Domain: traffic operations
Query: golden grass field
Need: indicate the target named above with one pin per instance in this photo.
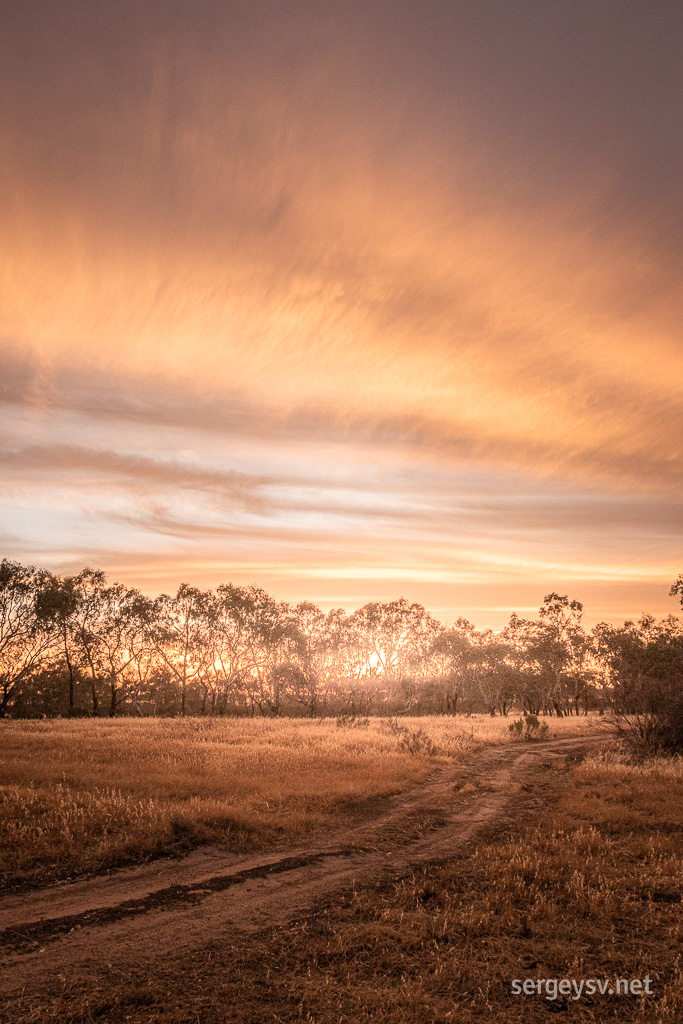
(78, 796)
(592, 888)
(588, 887)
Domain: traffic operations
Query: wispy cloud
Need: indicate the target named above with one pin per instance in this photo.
(273, 272)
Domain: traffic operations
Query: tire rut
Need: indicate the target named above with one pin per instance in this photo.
(140, 913)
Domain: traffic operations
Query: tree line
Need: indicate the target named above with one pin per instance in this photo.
(80, 645)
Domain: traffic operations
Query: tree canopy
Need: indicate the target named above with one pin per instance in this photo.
(80, 645)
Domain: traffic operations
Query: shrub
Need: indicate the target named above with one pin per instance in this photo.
(345, 721)
(650, 719)
(414, 741)
(529, 728)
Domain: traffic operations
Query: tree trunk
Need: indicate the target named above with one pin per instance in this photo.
(93, 684)
(5, 699)
(71, 678)
(112, 702)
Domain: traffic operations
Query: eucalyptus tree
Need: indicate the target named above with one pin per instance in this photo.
(235, 652)
(144, 666)
(100, 631)
(284, 669)
(78, 610)
(394, 636)
(492, 672)
(121, 642)
(258, 636)
(179, 629)
(519, 637)
(26, 636)
(341, 653)
(448, 657)
(643, 665)
(310, 675)
(559, 649)
(57, 605)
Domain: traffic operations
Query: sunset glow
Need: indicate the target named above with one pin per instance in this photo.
(348, 300)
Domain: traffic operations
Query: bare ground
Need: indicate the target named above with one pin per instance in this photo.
(80, 929)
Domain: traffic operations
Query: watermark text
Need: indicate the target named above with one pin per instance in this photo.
(553, 988)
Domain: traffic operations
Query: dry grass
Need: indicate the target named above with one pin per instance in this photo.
(82, 795)
(591, 890)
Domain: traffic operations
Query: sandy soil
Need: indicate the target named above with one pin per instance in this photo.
(78, 928)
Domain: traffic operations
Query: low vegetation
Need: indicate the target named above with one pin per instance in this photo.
(591, 890)
(82, 795)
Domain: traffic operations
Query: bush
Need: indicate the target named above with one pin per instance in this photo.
(345, 721)
(649, 717)
(529, 728)
(415, 741)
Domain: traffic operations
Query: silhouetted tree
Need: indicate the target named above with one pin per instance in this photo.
(241, 651)
(25, 636)
(179, 629)
(643, 666)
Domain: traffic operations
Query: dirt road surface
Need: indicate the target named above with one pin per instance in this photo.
(135, 915)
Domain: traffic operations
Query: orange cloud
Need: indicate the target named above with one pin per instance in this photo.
(382, 233)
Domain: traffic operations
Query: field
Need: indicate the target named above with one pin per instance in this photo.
(78, 796)
(592, 888)
(575, 873)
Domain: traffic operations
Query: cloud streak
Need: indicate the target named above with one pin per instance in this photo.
(243, 243)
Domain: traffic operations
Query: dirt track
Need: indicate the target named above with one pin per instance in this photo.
(137, 914)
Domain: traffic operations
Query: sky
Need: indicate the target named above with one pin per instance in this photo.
(351, 300)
